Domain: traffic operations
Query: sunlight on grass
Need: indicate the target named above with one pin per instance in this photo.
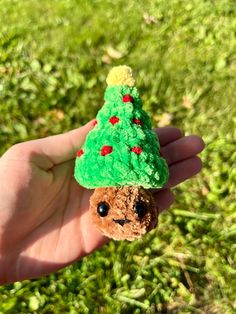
(54, 58)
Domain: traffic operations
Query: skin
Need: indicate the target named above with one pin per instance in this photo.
(44, 219)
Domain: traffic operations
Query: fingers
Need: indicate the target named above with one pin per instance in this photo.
(184, 170)
(63, 147)
(182, 148)
(168, 134)
(178, 173)
(164, 199)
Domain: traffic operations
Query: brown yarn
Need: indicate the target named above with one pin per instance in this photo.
(121, 202)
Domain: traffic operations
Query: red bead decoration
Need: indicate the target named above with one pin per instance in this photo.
(128, 98)
(137, 150)
(114, 120)
(80, 152)
(106, 150)
(95, 122)
(137, 121)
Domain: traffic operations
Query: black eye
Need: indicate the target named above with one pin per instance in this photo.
(140, 209)
(103, 209)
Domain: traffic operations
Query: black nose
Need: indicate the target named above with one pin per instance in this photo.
(121, 221)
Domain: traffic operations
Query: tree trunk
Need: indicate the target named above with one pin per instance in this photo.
(123, 213)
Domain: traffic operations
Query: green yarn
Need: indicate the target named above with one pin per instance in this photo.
(122, 167)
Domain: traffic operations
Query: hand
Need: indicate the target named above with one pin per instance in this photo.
(44, 219)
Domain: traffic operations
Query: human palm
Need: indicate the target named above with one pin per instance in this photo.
(44, 218)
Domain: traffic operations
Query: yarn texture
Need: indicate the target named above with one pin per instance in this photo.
(120, 75)
(121, 222)
(121, 150)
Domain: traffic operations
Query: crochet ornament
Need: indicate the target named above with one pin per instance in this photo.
(120, 159)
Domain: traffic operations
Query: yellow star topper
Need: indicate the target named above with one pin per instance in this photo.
(120, 75)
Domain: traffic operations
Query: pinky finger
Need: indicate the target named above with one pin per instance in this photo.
(164, 199)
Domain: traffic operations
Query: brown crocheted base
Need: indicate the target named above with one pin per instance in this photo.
(124, 213)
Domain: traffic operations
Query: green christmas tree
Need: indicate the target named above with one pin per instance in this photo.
(121, 160)
(122, 150)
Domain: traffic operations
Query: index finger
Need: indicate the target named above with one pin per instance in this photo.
(168, 134)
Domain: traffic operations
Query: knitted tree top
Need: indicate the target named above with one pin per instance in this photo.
(122, 149)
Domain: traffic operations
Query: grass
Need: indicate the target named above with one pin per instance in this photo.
(54, 57)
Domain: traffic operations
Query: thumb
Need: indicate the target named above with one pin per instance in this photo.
(62, 147)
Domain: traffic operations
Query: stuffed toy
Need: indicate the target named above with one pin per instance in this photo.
(120, 159)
